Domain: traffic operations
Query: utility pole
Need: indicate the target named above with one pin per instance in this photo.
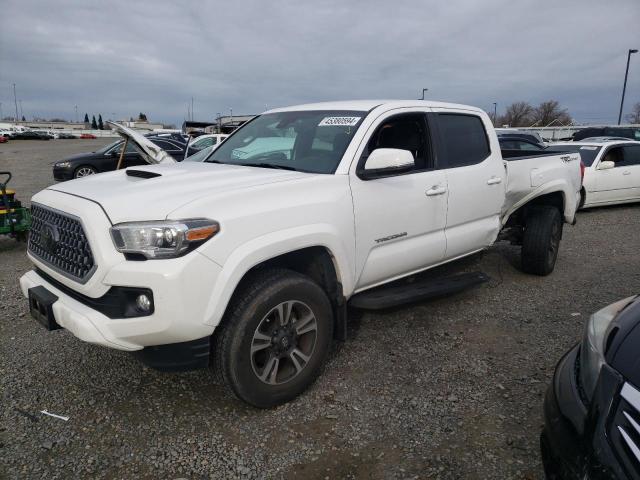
(21, 111)
(624, 88)
(219, 122)
(15, 100)
(495, 113)
(423, 90)
(76, 107)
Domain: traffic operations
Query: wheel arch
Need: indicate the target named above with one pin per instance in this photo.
(323, 263)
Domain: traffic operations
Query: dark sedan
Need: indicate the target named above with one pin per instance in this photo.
(31, 136)
(106, 159)
(592, 409)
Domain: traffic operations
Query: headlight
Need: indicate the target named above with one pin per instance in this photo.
(163, 239)
(63, 164)
(592, 349)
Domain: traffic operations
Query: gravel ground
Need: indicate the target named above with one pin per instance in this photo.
(451, 388)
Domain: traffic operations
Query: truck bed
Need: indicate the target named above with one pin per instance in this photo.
(530, 176)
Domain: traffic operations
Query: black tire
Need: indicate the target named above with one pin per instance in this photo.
(541, 239)
(583, 198)
(80, 171)
(250, 310)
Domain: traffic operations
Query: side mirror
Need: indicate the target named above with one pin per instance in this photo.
(606, 165)
(389, 159)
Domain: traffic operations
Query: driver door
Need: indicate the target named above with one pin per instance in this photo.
(399, 218)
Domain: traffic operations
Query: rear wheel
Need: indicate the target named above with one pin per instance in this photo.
(274, 338)
(84, 171)
(541, 240)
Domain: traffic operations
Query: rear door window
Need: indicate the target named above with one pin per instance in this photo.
(463, 139)
(631, 155)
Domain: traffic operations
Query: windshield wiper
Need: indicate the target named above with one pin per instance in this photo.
(267, 165)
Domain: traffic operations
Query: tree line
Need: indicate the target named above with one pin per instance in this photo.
(100, 126)
(523, 114)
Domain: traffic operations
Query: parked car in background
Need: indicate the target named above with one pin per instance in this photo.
(203, 141)
(7, 133)
(513, 142)
(631, 133)
(106, 158)
(66, 136)
(297, 213)
(88, 136)
(521, 134)
(3, 139)
(201, 156)
(592, 407)
(31, 135)
(605, 139)
(612, 171)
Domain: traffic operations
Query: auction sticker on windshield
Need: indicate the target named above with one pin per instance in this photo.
(339, 121)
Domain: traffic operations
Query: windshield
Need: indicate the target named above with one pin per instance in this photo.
(107, 147)
(305, 141)
(588, 153)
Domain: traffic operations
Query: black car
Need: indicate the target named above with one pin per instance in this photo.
(106, 158)
(31, 136)
(592, 408)
(625, 132)
(515, 142)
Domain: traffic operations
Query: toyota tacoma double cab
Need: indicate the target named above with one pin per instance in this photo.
(247, 261)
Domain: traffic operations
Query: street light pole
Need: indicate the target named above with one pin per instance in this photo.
(423, 90)
(76, 108)
(495, 113)
(15, 100)
(21, 111)
(624, 88)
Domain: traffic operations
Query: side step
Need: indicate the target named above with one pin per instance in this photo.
(388, 297)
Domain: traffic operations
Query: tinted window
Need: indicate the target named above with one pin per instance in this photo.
(631, 155)
(167, 146)
(404, 132)
(463, 138)
(588, 153)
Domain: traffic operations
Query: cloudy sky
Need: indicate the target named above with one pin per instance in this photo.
(118, 58)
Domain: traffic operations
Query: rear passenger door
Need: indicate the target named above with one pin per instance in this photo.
(476, 180)
(631, 170)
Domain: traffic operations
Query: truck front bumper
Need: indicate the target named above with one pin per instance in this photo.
(181, 290)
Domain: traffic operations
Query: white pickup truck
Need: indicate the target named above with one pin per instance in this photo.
(248, 260)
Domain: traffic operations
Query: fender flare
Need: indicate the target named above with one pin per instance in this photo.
(557, 186)
(260, 249)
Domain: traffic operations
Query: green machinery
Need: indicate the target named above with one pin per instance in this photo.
(15, 220)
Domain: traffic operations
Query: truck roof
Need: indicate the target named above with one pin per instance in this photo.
(366, 105)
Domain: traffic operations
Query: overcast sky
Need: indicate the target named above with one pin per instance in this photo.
(119, 58)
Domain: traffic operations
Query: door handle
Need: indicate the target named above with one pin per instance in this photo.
(626, 173)
(494, 181)
(436, 190)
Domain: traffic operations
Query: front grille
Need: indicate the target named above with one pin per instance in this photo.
(625, 429)
(58, 239)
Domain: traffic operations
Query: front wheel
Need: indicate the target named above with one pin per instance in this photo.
(274, 338)
(541, 239)
(84, 171)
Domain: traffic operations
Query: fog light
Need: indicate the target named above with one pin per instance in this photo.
(143, 303)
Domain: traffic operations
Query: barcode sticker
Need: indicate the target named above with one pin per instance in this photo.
(339, 121)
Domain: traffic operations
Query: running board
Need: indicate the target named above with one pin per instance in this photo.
(388, 297)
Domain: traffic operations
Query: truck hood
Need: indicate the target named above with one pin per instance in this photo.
(151, 192)
(149, 151)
